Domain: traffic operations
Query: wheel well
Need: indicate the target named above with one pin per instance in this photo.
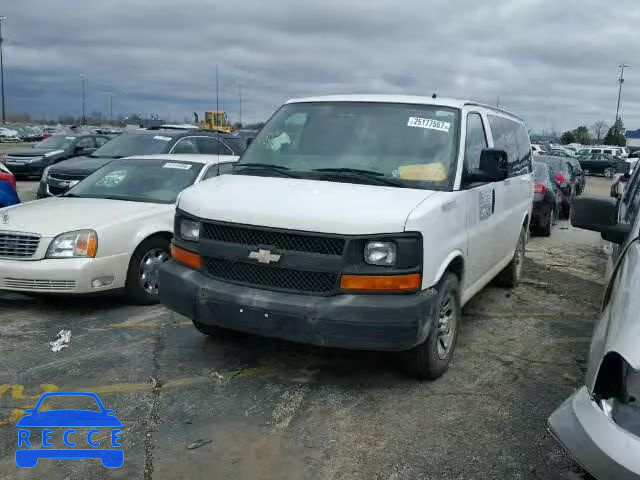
(456, 267)
(526, 221)
(164, 235)
(610, 381)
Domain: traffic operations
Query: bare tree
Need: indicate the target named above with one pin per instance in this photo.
(599, 129)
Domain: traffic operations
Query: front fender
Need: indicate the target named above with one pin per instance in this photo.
(445, 264)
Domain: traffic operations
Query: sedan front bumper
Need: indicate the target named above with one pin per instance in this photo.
(63, 275)
(594, 440)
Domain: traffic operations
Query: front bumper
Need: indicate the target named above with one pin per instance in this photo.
(25, 168)
(64, 275)
(366, 322)
(594, 440)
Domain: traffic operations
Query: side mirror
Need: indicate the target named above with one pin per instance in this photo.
(599, 214)
(493, 167)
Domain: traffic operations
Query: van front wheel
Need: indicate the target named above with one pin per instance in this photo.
(431, 358)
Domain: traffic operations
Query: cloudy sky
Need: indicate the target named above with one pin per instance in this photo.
(553, 62)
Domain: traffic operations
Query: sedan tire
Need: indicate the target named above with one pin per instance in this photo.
(142, 276)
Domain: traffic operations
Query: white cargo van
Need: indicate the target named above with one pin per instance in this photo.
(360, 221)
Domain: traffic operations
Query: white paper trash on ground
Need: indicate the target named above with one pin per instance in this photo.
(62, 340)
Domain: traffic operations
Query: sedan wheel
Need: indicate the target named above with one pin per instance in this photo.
(149, 272)
(609, 172)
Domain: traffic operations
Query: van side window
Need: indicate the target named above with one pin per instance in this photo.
(475, 142)
(512, 137)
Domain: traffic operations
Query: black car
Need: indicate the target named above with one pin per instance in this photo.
(602, 163)
(562, 173)
(56, 148)
(578, 174)
(59, 178)
(547, 200)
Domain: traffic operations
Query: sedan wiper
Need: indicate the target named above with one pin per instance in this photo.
(376, 177)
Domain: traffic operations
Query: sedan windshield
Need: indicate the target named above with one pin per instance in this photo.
(129, 144)
(152, 181)
(404, 145)
(55, 142)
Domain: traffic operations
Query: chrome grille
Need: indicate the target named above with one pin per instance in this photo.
(40, 285)
(18, 245)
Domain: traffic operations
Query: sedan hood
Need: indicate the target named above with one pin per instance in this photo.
(34, 152)
(51, 216)
(80, 165)
(297, 204)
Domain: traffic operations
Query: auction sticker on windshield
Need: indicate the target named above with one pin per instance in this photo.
(429, 123)
(179, 166)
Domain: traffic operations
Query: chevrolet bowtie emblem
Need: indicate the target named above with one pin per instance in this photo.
(5, 219)
(264, 256)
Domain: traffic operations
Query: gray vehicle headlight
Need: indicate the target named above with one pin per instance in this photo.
(36, 159)
(189, 230)
(81, 243)
(380, 253)
(45, 174)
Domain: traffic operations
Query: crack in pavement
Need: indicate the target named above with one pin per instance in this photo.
(151, 424)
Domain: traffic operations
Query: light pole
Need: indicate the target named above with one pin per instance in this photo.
(4, 115)
(83, 77)
(240, 103)
(620, 81)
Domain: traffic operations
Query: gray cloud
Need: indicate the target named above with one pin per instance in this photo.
(553, 63)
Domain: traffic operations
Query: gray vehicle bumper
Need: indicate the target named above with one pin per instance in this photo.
(367, 322)
(600, 446)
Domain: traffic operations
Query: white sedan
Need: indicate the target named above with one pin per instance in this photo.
(110, 231)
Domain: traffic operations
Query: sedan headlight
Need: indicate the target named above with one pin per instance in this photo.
(82, 243)
(380, 253)
(189, 230)
(45, 173)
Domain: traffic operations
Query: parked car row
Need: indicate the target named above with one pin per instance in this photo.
(599, 424)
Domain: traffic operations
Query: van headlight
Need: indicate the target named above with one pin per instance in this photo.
(189, 230)
(81, 243)
(380, 253)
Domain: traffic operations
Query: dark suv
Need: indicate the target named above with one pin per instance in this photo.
(57, 179)
(32, 162)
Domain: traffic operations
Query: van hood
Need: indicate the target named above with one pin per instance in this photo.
(52, 216)
(299, 204)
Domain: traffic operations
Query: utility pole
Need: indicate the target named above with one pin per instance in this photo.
(215, 116)
(4, 113)
(83, 78)
(240, 101)
(620, 82)
(111, 109)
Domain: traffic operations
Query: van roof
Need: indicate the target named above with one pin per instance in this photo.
(410, 99)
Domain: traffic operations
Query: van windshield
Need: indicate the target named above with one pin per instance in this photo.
(412, 145)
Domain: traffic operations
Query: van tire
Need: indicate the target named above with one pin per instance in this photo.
(429, 360)
(206, 329)
(512, 273)
(134, 292)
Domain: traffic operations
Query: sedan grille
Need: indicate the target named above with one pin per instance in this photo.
(40, 285)
(253, 237)
(18, 245)
(272, 277)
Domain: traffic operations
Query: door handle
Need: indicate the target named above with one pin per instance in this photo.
(493, 201)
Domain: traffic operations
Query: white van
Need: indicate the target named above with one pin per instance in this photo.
(359, 221)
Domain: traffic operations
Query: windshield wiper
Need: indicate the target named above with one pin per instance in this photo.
(262, 165)
(280, 169)
(359, 173)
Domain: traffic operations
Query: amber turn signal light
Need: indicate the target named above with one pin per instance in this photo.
(411, 281)
(186, 258)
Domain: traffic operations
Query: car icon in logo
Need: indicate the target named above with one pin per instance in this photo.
(61, 424)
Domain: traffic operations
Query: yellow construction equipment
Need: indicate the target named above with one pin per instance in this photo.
(217, 121)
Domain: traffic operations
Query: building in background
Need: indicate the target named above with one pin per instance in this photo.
(633, 138)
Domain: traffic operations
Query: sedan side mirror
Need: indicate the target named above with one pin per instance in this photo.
(599, 214)
(493, 167)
